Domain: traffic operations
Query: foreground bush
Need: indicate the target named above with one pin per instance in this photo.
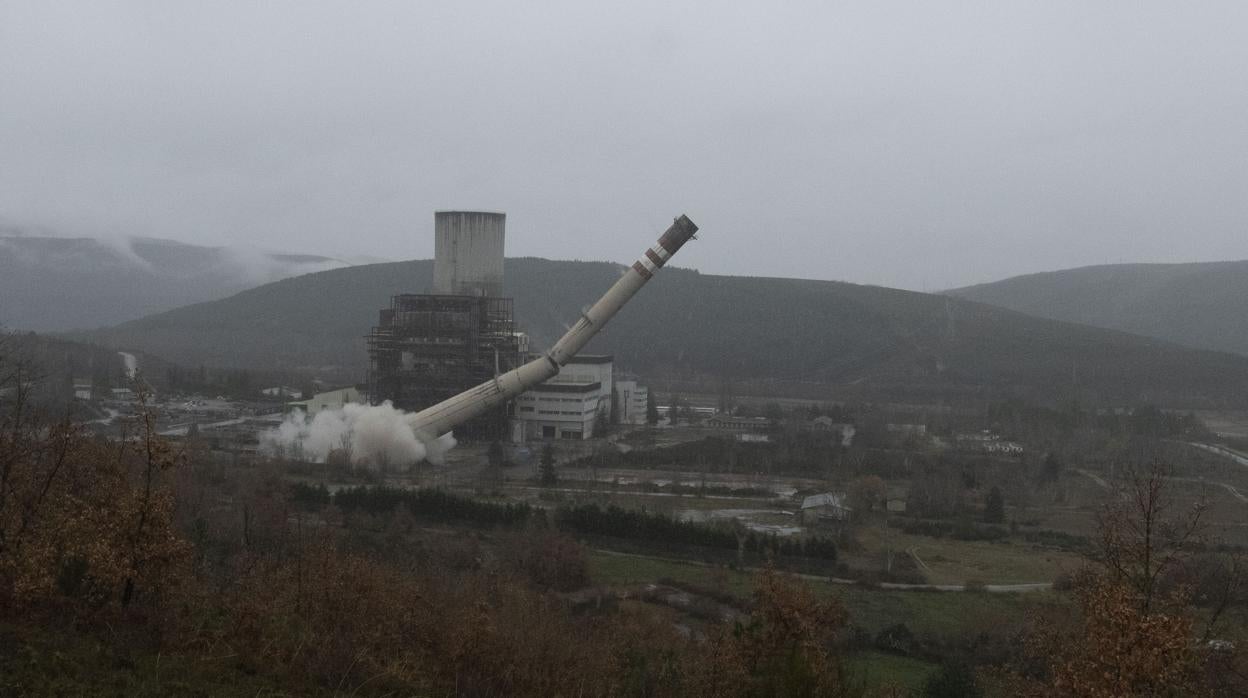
(86, 525)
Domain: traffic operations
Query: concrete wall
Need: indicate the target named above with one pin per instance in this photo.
(468, 253)
(566, 412)
(329, 400)
(630, 406)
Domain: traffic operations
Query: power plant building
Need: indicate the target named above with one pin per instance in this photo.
(631, 399)
(455, 358)
(468, 253)
(426, 348)
(568, 405)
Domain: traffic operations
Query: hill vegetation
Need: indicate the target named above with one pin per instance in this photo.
(50, 368)
(1200, 305)
(692, 326)
(52, 284)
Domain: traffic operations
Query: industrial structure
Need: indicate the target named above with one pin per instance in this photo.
(333, 399)
(631, 399)
(570, 405)
(468, 253)
(496, 392)
(426, 348)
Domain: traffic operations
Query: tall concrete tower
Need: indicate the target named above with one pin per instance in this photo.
(468, 253)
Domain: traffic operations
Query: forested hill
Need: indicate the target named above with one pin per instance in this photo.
(686, 324)
(1201, 305)
(54, 283)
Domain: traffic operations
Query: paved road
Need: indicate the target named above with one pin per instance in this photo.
(1224, 485)
(913, 551)
(1101, 481)
(1095, 478)
(1240, 458)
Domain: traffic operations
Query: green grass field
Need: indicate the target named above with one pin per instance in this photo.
(936, 613)
(952, 561)
(877, 669)
(620, 570)
(949, 613)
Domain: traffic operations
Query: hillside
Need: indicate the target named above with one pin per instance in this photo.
(56, 364)
(52, 283)
(1200, 305)
(689, 325)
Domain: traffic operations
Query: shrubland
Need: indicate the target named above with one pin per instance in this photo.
(130, 550)
(135, 554)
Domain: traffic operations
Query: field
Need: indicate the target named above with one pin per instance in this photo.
(947, 561)
(931, 612)
(877, 669)
(941, 618)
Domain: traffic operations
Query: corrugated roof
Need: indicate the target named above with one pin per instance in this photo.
(566, 388)
(827, 499)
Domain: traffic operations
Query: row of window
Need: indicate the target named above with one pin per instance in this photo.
(585, 413)
(549, 433)
(531, 398)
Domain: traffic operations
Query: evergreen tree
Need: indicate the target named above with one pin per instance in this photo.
(1052, 468)
(994, 508)
(652, 411)
(601, 424)
(547, 474)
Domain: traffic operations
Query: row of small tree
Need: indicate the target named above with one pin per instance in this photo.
(431, 504)
(660, 529)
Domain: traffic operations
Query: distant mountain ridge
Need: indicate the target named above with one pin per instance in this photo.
(1203, 305)
(686, 325)
(57, 283)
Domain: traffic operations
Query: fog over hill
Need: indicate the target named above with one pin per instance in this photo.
(697, 326)
(1203, 305)
(60, 283)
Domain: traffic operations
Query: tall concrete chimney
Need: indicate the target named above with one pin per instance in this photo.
(468, 253)
(432, 422)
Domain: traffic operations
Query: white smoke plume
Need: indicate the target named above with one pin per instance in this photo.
(372, 436)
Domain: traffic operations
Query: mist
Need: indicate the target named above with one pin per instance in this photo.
(922, 146)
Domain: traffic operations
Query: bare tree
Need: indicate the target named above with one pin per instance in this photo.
(1144, 535)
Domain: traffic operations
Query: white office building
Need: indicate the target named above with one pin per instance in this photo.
(566, 406)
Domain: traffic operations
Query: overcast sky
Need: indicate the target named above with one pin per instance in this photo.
(922, 145)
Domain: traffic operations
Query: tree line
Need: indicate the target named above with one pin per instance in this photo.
(587, 519)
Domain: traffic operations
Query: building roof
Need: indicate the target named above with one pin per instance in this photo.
(326, 391)
(566, 388)
(727, 418)
(829, 422)
(827, 499)
(591, 359)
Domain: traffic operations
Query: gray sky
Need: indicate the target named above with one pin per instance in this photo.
(920, 145)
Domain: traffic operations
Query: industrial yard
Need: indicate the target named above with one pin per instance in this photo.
(636, 350)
